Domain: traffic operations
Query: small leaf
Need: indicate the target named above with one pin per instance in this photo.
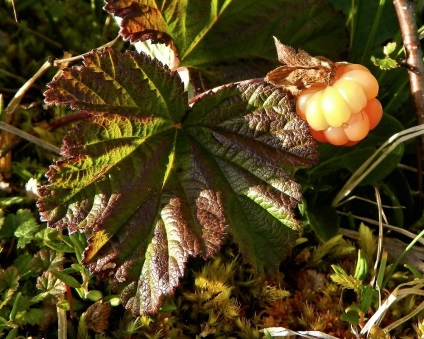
(94, 295)
(324, 220)
(361, 269)
(368, 296)
(9, 283)
(59, 246)
(66, 278)
(4, 324)
(23, 264)
(352, 317)
(47, 259)
(49, 284)
(367, 242)
(389, 48)
(25, 231)
(154, 181)
(385, 64)
(347, 281)
(339, 270)
(336, 246)
(31, 316)
(97, 316)
(24, 220)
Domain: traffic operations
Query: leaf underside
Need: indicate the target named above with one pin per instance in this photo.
(153, 181)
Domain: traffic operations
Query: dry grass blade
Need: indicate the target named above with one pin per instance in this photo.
(24, 135)
(401, 292)
(284, 332)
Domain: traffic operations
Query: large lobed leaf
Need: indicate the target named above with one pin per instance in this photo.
(152, 180)
(210, 32)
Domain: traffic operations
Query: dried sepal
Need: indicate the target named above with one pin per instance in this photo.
(300, 70)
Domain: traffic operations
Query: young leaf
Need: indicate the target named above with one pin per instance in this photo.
(31, 316)
(23, 264)
(66, 278)
(97, 316)
(389, 48)
(47, 259)
(50, 284)
(26, 230)
(22, 220)
(152, 180)
(385, 64)
(9, 283)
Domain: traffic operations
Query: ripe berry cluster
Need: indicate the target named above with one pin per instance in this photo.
(344, 112)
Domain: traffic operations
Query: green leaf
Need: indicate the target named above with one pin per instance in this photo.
(66, 278)
(347, 281)
(94, 295)
(59, 246)
(47, 259)
(210, 32)
(9, 283)
(32, 316)
(339, 270)
(352, 317)
(23, 264)
(368, 296)
(23, 222)
(26, 229)
(389, 48)
(4, 324)
(50, 284)
(368, 243)
(158, 181)
(361, 269)
(324, 220)
(385, 64)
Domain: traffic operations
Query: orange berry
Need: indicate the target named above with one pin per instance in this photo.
(357, 127)
(374, 110)
(336, 136)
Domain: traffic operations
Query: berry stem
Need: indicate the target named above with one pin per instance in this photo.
(405, 10)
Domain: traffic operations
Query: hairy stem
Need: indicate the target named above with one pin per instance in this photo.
(405, 10)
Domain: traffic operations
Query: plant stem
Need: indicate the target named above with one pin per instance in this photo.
(62, 323)
(405, 10)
